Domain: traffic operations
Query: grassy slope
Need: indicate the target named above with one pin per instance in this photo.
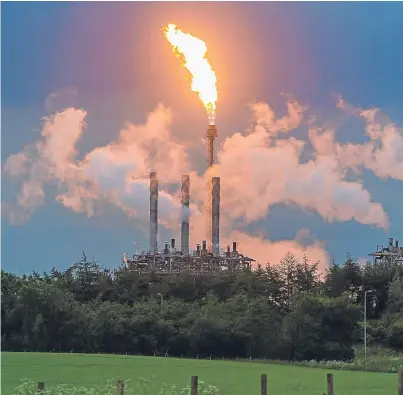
(233, 378)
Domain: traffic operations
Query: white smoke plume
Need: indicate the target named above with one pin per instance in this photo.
(382, 153)
(258, 169)
(117, 173)
(51, 159)
(266, 118)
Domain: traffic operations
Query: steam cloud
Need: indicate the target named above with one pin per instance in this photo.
(258, 168)
(382, 154)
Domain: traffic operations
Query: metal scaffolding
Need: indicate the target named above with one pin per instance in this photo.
(200, 261)
(391, 254)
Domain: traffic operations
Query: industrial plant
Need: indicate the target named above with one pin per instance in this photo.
(391, 254)
(207, 258)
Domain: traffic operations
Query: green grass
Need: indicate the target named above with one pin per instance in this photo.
(232, 378)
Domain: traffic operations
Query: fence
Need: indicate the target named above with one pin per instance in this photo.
(263, 385)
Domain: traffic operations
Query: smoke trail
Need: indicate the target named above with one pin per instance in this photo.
(382, 154)
(266, 118)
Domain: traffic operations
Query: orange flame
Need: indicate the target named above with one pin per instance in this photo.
(203, 76)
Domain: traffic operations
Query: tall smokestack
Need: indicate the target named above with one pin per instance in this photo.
(153, 212)
(185, 214)
(211, 135)
(215, 216)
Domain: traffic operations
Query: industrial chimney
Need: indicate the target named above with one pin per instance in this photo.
(211, 135)
(185, 214)
(153, 212)
(215, 216)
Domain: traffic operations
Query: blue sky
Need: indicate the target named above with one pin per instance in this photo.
(115, 55)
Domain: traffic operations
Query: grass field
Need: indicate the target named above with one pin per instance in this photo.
(232, 378)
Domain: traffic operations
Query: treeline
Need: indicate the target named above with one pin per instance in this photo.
(285, 311)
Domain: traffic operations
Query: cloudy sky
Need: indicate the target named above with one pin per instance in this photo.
(309, 119)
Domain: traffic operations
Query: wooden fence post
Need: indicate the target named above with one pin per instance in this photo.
(400, 383)
(330, 388)
(263, 384)
(41, 387)
(120, 388)
(194, 385)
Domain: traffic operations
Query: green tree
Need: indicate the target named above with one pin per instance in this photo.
(321, 328)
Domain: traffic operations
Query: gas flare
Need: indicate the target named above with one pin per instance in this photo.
(203, 76)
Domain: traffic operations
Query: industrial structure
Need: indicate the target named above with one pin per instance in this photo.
(391, 254)
(173, 260)
(207, 258)
(211, 135)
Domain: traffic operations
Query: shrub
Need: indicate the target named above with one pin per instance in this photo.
(143, 387)
(395, 335)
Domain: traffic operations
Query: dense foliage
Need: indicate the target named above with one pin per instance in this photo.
(285, 311)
